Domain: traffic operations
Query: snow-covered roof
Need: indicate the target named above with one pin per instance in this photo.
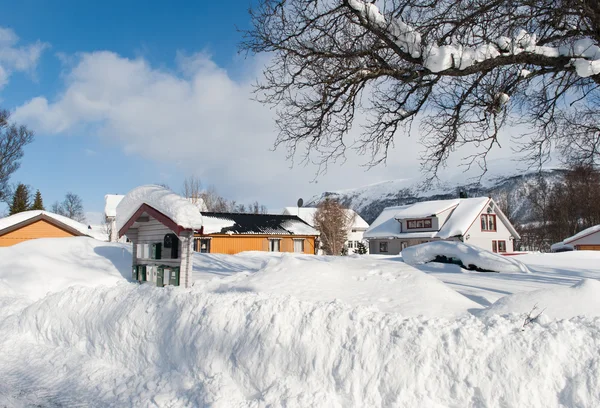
(307, 214)
(464, 212)
(584, 233)
(11, 221)
(270, 224)
(424, 209)
(179, 209)
(111, 201)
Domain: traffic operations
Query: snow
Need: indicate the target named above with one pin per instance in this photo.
(584, 233)
(468, 254)
(37, 267)
(214, 225)
(307, 214)
(18, 218)
(264, 329)
(424, 209)
(389, 287)
(183, 212)
(111, 201)
(581, 299)
(585, 52)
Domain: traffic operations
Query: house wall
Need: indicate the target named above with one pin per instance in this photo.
(483, 239)
(37, 229)
(149, 233)
(355, 236)
(233, 244)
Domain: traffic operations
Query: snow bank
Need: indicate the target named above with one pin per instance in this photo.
(132, 345)
(390, 287)
(183, 212)
(581, 299)
(468, 254)
(33, 268)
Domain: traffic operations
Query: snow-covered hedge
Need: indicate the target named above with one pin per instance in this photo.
(467, 254)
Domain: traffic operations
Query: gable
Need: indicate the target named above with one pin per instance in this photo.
(37, 229)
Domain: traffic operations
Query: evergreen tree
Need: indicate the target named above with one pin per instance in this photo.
(38, 204)
(361, 248)
(20, 201)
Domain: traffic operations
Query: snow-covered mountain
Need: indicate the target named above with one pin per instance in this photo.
(370, 200)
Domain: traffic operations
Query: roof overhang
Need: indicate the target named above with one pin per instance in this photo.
(157, 215)
(43, 217)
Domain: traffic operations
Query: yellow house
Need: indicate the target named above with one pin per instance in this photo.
(29, 225)
(230, 233)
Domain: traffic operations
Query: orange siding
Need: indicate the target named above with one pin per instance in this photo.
(38, 229)
(233, 244)
(587, 247)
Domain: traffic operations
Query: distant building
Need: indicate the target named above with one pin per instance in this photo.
(111, 201)
(355, 232)
(586, 240)
(231, 233)
(476, 221)
(28, 225)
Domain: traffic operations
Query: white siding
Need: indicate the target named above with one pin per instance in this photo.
(483, 239)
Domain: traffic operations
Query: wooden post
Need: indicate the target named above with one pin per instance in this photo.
(187, 261)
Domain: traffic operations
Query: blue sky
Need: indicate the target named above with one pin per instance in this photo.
(135, 92)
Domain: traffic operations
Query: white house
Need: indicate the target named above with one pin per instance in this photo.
(111, 201)
(586, 240)
(477, 221)
(355, 232)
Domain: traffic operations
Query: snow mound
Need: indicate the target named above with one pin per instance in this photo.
(581, 299)
(136, 345)
(33, 268)
(467, 254)
(182, 211)
(390, 287)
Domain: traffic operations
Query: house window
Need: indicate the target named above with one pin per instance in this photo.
(488, 222)
(274, 245)
(299, 246)
(350, 244)
(383, 246)
(501, 246)
(403, 244)
(416, 224)
(494, 246)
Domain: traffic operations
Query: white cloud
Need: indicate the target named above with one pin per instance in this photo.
(14, 58)
(199, 119)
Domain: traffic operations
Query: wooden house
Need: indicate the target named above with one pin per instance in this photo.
(35, 224)
(586, 240)
(231, 233)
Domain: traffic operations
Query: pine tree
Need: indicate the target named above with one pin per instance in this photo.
(20, 201)
(361, 248)
(38, 203)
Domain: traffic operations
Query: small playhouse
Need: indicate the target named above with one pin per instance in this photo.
(161, 225)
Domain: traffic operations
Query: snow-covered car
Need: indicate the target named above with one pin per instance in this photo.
(467, 256)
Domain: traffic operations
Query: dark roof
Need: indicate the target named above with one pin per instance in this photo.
(269, 224)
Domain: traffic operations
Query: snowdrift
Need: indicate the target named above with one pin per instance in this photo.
(468, 254)
(34, 268)
(390, 287)
(131, 345)
(581, 299)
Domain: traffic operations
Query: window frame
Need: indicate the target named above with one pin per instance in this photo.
(494, 246)
(384, 244)
(301, 240)
(272, 241)
(423, 221)
(500, 250)
(485, 225)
